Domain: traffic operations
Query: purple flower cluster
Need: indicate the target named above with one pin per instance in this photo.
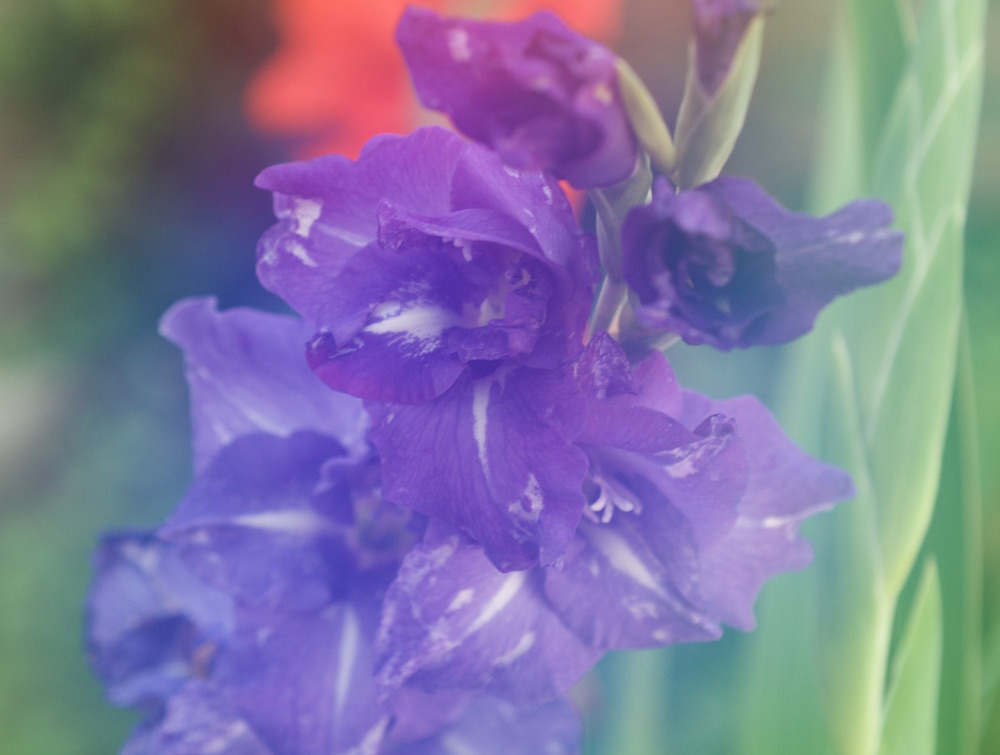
(425, 509)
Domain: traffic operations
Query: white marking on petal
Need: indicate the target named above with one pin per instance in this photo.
(147, 559)
(684, 468)
(466, 246)
(290, 522)
(773, 522)
(533, 492)
(371, 743)
(511, 585)
(386, 309)
(603, 94)
(622, 558)
(480, 404)
(415, 323)
(306, 212)
(346, 656)
(525, 644)
(222, 742)
(458, 45)
(536, 501)
(642, 609)
(455, 745)
(463, 598)
(354, 239)
(200, 537)
(410, 579)
(854, 237)
(301, 253)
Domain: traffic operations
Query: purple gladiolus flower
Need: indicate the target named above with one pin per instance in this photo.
(245, 623)
(494, 493)
(719, 26)
(724, 264)
(692, 505)
(424, 256)
(216, 674)
(282, 660)
(242, 623)
(538, 93)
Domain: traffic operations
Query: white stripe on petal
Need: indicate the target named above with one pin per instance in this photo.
(301, 253)
(420, 324)
(622, 558)
(480, 403)
(306, 212)
(525, 644)
(291, 522)
(346, 657)
(512, 584)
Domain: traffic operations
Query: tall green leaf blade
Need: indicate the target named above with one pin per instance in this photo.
(841, 166)
(893, 351)
(911, 708)
(956, 541)
(856, 620)
(881, 33)
(871, 388)
(904, 338)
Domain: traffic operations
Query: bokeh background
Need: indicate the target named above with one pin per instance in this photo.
(130, 134)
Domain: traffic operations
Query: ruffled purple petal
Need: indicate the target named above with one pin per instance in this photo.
(198, 719)
(724, 264)
(632, 577)
(412, 271)
(326, 210)
(538, 93)
(618, 589)
(149, 619)
(683, 526)
(785, 486)
(304, 679)
(247, 375)
(249, 525)
(492, 457)
(452, 620)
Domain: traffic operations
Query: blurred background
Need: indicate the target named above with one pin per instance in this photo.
(130, 134)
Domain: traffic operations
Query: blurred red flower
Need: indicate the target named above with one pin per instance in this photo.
(337, 77)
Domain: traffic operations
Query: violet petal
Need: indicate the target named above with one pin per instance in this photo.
(724, 264)
(424, 255)
(452, 620)
(492, 457)
(538, 93)
(247, 374)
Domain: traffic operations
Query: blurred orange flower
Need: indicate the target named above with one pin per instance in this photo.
(337, 77)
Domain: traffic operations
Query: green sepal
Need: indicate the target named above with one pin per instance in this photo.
(709, 123)
(911, 707)
(646, 119)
